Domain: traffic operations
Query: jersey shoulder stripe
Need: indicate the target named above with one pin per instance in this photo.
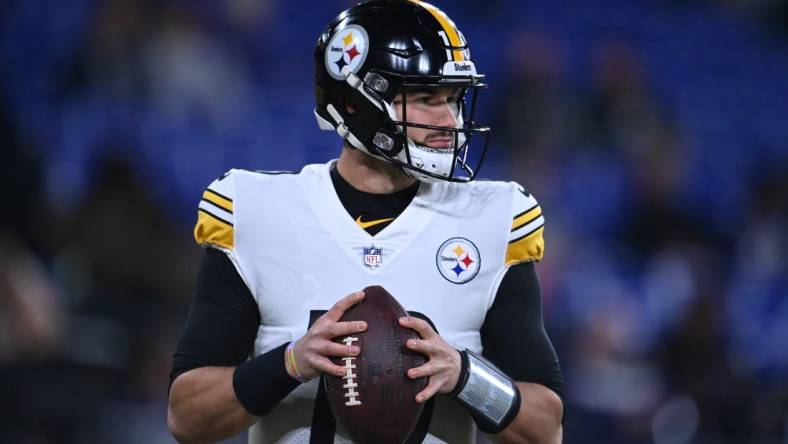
(526, 217)
(215, 217)
(218, 200)
(526, 238)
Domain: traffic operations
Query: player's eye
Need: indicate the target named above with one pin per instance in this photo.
(457, 97)
(424, 99)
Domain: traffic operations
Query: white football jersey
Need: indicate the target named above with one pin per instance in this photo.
(298, 250)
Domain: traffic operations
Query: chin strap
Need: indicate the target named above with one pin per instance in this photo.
(490, 397)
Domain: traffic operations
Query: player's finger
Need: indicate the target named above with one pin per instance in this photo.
(346, 328)
(324, 365)
(330, 348)
(428, 392)
(427, 369)
(336, 312)
(422, 346)
(421, 326)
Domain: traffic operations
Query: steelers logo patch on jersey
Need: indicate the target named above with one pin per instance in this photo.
(458, 260)
(348, 47)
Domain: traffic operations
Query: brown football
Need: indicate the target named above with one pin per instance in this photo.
(375, 400)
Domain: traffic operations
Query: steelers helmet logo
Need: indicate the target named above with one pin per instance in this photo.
(348, 47)
(458, 260)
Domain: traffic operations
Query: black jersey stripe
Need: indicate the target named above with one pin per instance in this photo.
(215, 217)
(208, 190)
(526, 234)
(217, 206)
(538, 215)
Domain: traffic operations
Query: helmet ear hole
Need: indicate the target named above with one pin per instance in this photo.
(383, 142)
(388, 143)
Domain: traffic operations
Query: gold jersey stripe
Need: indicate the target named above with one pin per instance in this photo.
(527, 217)
(210, 230)
(526, 249)
(448, 27)
(218, 200)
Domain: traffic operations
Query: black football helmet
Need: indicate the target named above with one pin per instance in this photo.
(375, 50)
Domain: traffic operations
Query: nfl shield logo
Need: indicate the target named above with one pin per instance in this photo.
(372, 257)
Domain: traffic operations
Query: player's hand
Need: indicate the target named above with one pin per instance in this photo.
(312, 351)
(444, 363)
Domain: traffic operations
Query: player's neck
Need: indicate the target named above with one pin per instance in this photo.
(365, 173)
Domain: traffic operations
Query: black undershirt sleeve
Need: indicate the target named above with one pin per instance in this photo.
(223, 320)
(513, 333)
(220, 331)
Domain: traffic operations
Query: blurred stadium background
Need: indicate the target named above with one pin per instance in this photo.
(654, 133)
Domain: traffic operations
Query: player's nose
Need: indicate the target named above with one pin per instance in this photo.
(446, 116)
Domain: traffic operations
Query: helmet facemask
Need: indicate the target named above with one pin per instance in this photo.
(428, 163)
(382, 133)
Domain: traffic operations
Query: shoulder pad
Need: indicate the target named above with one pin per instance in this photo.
(526, 240)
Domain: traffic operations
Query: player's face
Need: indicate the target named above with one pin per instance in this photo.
(431, 106)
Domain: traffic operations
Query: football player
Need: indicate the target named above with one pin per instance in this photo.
(399, 208)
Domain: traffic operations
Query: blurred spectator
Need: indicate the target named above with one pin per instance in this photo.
(114, 49)
(219, 89)
(20, 171)
(127, 273)
(33, 320)
(127, 245)
(693, 360)
(623, 110)
(772, 12)
(757, 302)
(659, 217)
(145, 53)
(538, 116)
